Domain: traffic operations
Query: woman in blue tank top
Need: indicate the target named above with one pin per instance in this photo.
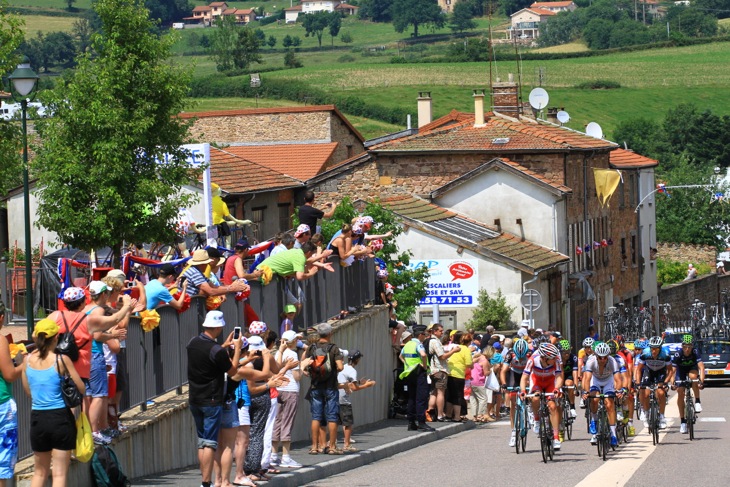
(52, 424)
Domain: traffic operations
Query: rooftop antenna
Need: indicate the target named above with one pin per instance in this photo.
(594, 130)
(563, 117)
(539, 99)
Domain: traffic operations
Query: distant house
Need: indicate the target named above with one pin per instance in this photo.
(207, 14)
(311, 6)
(292, 13)
(556, 7)
(526, 23)
(447, 6)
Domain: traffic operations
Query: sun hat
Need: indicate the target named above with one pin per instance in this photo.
(302, 229)
(214, 319)
(289, 336)
(97, 287)
(290, 308)
(256, 343)
(117, 274)
(49, 327)
(200, 257)
(405, 336)
(73, 294)
(214, 254)
(257, 328)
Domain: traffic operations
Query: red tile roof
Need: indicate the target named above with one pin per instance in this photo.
(558, 186)
(235, 174)
(464, 136)
(541, 11)
(626, 159)
(300, 161)
(502, 247)
(551, 4)
(202, 8)
(295, 8)
(218, 4)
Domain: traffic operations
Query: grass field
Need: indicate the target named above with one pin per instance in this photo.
(577, 46)
(56, 4)
(45, 24)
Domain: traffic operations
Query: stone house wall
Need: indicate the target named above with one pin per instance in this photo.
(705, 288)
(691, 254)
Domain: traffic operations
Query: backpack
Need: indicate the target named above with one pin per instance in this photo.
(67, 342)
(105, 469)
(321, 368)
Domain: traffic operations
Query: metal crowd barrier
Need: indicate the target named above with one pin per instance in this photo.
(156, 361)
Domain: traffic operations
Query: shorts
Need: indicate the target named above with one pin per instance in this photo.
(52, 429)
(98, 383)
(455, 390)
(8, 438)
(229, 417)
(346, 418)
(683, 374)
(439, 382)
(207, 425)
(112, 385)
(513, 378)
(652, 377)
(244, 418)
(605, 386)
(546, 384)
(325, 405)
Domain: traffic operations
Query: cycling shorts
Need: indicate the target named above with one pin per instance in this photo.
(683, 373)
(513, 378)
(652, 377)
(546, 385)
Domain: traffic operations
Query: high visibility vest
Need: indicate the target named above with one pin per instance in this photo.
(412, 358)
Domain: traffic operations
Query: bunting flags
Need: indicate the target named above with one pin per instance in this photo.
(662, 188)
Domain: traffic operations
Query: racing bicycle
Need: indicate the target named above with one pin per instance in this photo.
(653, 412)
(690, 415)
(521, 424)
(545, 428)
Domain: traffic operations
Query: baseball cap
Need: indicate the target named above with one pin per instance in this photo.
(167, 270)
(418, 329)
(355, 354)
(242, 244)
(290, 308)
(214, 319)
(214, 254)
(289, 336)
(302, 229)
(73, 294)
(97, 287)
(256, 343)
(49, 327)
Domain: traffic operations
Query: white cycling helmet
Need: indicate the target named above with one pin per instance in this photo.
(656, 342)
(602, 349)
(548, 350)
(588, 342)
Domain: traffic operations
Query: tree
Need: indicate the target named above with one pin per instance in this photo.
(286, 41)
(335, 22)
(346, 38)
(691, 22)
(168, 11)
(597, 33)
(416, 13)
(492, 311)
(315, 24)
(99, 171)
(271, 42)
(296, 41)
(462, 18)
(70, 5)
(641, 135)
(11, 36)
(560, 29)
(82, 32)
(233, 46)
(291, 60)
(376, 10)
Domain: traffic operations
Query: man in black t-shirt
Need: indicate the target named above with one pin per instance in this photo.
(309, 215)
(207, 363)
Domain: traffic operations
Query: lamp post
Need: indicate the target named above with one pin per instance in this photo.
(24, 82)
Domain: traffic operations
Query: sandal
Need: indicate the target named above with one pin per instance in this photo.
(314, 451)
(246, 482)
(349, 449)
(271, 471)
(335, 451)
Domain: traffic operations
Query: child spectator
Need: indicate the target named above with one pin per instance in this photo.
(348, 383)
(290, 311)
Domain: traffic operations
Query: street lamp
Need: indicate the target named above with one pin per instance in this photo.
(24, 82)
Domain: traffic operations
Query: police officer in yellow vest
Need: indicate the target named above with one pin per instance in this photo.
(415, 374)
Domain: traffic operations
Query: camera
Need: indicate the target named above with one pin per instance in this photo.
(237, 333)
(131, 284)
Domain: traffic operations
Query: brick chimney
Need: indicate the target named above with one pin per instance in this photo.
(479, 108)
(424, 108)
(505, 97)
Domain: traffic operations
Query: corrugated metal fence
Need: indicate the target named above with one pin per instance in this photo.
(156, 362)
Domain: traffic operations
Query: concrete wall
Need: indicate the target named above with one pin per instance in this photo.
(705, 288)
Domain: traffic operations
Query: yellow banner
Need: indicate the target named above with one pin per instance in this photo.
(607, 180)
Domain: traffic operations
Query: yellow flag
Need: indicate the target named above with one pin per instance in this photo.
(607, 181)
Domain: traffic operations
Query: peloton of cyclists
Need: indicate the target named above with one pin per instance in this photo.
(603, 375)
(654, 366)
(543, 374)
(688, 365)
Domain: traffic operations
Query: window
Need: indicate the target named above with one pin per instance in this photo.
(633, 249)
(632, 192)
(624, 264)
(284, 219)
(257, 217)
(621, 195)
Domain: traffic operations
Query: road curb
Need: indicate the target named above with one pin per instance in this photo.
(337, 465)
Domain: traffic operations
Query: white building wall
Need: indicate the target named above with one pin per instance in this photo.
(492, 275)
(507, 197)
(647, 229)
(309, 7)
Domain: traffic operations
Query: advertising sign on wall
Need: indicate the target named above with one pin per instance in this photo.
(451, 282)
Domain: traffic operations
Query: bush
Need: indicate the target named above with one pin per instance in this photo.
(670, 272)
(346, 59)
(291, 60)
(599, 84)
(491, 311)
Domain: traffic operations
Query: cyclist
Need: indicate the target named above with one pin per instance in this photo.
(603, 375)
(543, 374)
(628, 357)
(583, 355)
(625, 377)
(570, 372)
(511, 375)
(654, 366)
(688, 364)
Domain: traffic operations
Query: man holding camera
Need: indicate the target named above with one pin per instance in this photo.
(308, 214)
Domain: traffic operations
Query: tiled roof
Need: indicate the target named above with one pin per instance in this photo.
(621, 158)
(541, 11)
(295, 8)
(236, 174)
(202, 8)
(503, 247)
(452, 118)
(346, 6)
(229, 11)
(300, 161)
(522, 137)
(218, 4)
(340, 167)
(551, 4)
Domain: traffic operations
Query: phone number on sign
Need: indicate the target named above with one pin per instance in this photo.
(446, 300)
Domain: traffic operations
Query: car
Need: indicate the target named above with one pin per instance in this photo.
(715, 353)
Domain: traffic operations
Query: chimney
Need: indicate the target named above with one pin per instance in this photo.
(424, 108)
(505, 97)
(479, 108)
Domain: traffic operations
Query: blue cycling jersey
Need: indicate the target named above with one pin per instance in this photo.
(657, 364)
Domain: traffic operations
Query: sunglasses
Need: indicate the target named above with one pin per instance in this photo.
(602, 358)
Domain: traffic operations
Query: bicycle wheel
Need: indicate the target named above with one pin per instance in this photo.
(518, 428)
(548, 436)
(605, 434)
(599, 440)
(690, 416)
(543, 446)
(525, 428)
(654, 422)
(568, 433)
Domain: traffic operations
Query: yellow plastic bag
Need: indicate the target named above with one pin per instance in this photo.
(84, 440)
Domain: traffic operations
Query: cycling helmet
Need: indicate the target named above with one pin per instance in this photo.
(620, 340)
(639, 344)
(613, 346)
(688, 339)
(656, 342)
(564, 345)
(548, 350)
(520, 348)
(602, 349)
(588, 342)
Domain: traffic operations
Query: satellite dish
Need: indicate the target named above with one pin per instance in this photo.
(594, 130)
(539, 98)
(563, 116)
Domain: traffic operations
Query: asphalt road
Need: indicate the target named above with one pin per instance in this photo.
(482, 457)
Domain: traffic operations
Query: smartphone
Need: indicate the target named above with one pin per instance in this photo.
(131, 284)
(237, 333)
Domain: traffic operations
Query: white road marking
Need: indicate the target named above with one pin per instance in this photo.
(617, 469)
(712, 420)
